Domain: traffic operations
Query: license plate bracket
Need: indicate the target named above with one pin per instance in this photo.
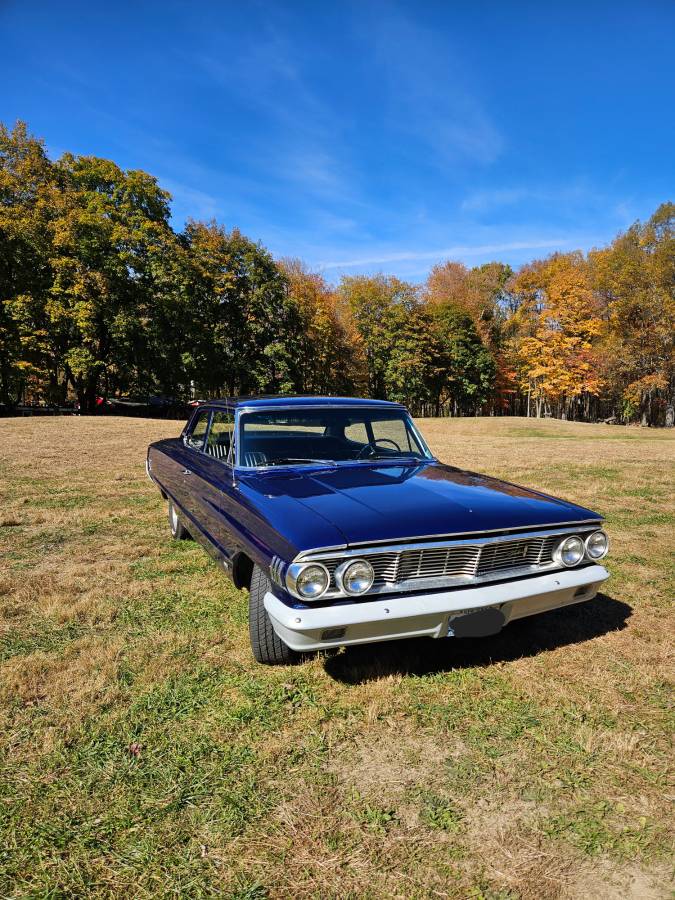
(476, 622)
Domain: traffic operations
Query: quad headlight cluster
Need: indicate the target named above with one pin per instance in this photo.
(311, 580)
(572, 550)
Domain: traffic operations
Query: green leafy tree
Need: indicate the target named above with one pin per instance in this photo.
(465, 369)
(376, 305)
(108, 226)
(416, 360)
(481, 293)
(242, 321)
(28, 186)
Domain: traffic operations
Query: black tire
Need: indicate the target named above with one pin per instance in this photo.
(266, 645)
(178, 531)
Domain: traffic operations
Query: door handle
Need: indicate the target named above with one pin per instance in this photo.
(187, 471)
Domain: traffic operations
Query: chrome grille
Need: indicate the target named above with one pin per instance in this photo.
(510, 555)
(437, 562)
(455, 563)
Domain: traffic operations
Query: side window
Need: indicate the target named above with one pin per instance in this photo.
(219, 443)
(197, 434)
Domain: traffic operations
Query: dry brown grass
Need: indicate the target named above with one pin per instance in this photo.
(145, 754)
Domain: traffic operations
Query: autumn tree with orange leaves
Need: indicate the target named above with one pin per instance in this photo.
(557, 327)
(326, 357)
(634, 280)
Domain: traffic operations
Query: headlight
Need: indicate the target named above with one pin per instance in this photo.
(570, 552)
(309, 581)
(355, 577)
(597, 545)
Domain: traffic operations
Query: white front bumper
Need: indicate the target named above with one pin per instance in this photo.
(426, 615)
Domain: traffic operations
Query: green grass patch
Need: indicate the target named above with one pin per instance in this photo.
(607, 827)
(42, 635)
(64, 499)
(440, 813)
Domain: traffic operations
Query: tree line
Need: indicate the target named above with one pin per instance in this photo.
(100, 296)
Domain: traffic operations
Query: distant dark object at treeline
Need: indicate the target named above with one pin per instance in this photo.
(141, 407)
(100, 297)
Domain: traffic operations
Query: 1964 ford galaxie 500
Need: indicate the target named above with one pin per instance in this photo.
(346, 529)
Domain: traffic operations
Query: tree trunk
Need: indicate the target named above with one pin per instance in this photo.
(86, 394)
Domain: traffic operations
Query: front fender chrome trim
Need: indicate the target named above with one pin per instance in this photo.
(276, 569)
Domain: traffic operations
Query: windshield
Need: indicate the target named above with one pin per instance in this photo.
(327, 435)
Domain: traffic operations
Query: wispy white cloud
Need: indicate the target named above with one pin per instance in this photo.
(193, 202)
(432, 92)
(447, 253)
(482, 201)
(298, 135)
(570, 198)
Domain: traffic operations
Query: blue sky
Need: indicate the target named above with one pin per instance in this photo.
(365, 136)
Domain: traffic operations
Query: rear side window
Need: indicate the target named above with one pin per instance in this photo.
(197, 434)
(219, 443)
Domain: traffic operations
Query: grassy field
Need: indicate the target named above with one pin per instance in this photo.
(145, 754)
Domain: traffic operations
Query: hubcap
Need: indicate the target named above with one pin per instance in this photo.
(174, 518)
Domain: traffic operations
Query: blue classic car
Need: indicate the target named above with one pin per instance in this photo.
(345, 529)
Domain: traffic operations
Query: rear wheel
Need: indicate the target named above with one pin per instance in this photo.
(266, 645)
(178, 531)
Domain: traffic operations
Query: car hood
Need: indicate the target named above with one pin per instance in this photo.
(386, 502)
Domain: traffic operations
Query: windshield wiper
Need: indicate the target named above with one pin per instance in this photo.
(283, 460)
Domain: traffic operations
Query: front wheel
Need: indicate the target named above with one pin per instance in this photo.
(266, 644)
(178, 531)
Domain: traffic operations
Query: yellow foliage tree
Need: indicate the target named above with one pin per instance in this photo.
(557, 326)
(635, 280)
(326, 357)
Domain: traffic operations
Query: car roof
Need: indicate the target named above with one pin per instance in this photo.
(279, 400)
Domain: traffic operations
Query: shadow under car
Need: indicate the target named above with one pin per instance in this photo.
(521, 638)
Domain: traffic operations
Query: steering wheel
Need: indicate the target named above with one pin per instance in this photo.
(372, 446)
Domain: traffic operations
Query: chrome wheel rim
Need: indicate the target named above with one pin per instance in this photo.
(174, 519)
